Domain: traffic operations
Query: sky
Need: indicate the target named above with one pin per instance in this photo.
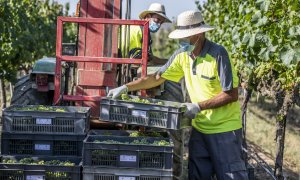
(173, 7)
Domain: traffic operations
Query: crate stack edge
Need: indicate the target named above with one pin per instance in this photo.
(43, 135)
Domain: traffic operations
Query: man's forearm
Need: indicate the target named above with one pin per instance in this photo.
(145, 83)
(220, 100)
(158, 61)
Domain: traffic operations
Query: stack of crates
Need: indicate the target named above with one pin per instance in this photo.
(114, 155)
(44, 134)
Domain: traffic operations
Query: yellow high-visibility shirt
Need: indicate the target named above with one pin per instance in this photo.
(205, 77)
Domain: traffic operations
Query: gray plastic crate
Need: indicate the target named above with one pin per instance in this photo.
(75, 120)
(113, 154)
(166, 116)
(97, 173)
(19, 171)
(42, 144)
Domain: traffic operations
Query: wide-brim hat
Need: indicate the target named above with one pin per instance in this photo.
(189, 23)
(156, 8)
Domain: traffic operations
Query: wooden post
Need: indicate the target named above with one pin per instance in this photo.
(3, 93)
(285, 105)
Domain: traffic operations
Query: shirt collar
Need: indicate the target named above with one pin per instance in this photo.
(205, 48)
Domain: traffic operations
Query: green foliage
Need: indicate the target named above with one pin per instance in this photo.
(27, 33)
(262, 37)
(163, 46)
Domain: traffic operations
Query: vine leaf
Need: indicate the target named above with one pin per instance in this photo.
(289, 57)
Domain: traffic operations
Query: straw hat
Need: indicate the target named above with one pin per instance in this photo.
(158, 9)
(189, 23)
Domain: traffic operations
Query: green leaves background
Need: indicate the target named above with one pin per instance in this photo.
(262, 37)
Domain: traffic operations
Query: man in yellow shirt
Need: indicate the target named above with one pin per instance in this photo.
(215, 145)
(156, 15)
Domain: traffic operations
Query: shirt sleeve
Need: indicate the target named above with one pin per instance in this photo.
(172, 70)
(227, 74)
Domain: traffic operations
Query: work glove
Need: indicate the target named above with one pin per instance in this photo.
(192, 109)
(115, 93)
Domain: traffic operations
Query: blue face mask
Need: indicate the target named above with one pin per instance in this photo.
(153, 26)
(186, 46)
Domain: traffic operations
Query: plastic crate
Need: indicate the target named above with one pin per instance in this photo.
(167, 116)
(97, 173)
(50, 145)
(125, 155)
(75, 120)
(19, 171)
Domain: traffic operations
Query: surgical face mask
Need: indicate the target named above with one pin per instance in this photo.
(153, 26)
(186, 45)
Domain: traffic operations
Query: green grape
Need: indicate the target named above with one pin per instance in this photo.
(9, 161)
(160, 103)
(26, 161)
(154, 134)
(40, 108)
(125, 97)
(161, 143)
(136, 134)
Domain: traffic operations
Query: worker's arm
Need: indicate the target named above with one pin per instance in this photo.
(225, 97)
(157, 61)
(142, 83)
(145, 83)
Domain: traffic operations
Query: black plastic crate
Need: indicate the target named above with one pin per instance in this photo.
(75, 120)
(166, 116)
(19, 171)
(97, 173)
(42, 144)
(114, 154)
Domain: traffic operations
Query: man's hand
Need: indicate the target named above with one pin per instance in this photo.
(192, 109)
(114, 93)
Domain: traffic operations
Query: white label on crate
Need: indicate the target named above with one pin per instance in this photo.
(127, 158)
(139, 113)
(43, 147)
(35, 177)
(126, 178)
(43, 121)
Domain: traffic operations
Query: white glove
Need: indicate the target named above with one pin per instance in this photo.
(114, 93)
(192, 109)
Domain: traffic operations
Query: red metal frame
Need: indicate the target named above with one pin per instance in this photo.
(60, 57)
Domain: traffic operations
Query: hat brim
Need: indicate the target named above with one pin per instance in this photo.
(183, 33)
(144, 13)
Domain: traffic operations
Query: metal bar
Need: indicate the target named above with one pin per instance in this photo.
(260, 162)
(81, 98)
(145, 53)
(57, 79)
(60, 58)
(101, 59)
(102, 21)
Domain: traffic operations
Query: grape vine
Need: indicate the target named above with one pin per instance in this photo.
(262, 38)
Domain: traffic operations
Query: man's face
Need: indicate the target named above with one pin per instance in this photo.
(198, 38)
(156, 18)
